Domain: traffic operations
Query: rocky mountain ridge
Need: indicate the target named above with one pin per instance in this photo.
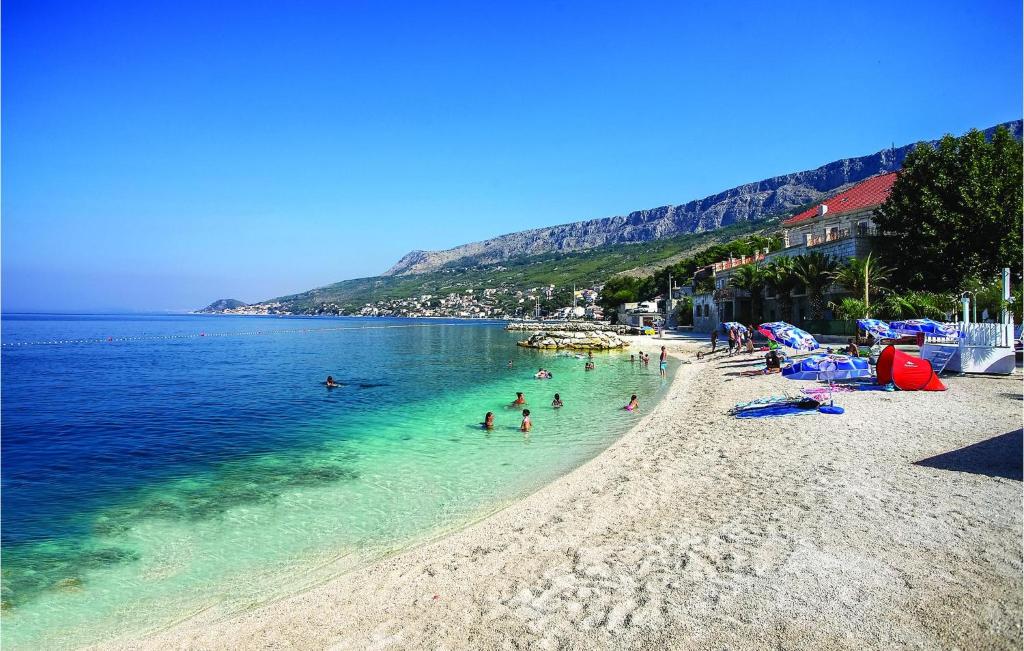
(746, 202)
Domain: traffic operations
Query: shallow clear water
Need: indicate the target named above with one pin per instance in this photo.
(159, 466)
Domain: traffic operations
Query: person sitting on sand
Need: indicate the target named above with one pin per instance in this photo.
(520, 400)
(527, 424)
(633, 405)
(488, 423)
(851, 348)
(750, 344)
(330, 383)
(772, 362)
(557, 402)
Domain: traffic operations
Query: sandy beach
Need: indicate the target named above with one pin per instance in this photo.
(896, 524)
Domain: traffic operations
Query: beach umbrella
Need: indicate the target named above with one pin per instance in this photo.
(880, 329)
(827, 367)
(789, 335)
(924, 327)
(729, 325)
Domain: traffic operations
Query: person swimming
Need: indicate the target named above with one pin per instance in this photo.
(330, 383)
(527, 424)
(520, 400)
(542, 374)
(633, 405)
(557, 402)
(589, 366)
(488, 423)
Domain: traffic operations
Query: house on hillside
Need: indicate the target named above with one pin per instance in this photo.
(841, 227)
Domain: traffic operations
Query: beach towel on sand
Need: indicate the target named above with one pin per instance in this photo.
(775, 412)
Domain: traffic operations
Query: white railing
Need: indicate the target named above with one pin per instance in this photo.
(983, 335)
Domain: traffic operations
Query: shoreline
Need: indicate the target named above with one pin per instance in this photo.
(701, 530)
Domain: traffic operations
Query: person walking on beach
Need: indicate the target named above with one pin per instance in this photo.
(732, 340)
(527, 424)
(714, 340)
(663, 362)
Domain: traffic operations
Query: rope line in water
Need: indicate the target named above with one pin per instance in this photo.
(247, 333)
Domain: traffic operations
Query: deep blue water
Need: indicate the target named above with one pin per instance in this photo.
(85, 422)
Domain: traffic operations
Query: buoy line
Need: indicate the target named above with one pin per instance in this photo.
(196, 335)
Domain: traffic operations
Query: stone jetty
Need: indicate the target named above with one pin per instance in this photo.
(593, 340)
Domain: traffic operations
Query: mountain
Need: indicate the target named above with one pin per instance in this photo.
(222, 305)
(744, 203)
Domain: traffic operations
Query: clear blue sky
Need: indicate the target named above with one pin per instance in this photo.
(160, 155)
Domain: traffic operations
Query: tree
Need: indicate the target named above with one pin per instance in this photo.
(864, 277)
(781, 276)
(815, 271)
(751, 278)
(955, 212)
(916, 305)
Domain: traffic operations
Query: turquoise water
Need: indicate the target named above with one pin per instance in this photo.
(184, 473)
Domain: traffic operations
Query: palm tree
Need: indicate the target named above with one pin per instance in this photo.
(815, 271)
(863, 277)
(751, 278)
(781, 275)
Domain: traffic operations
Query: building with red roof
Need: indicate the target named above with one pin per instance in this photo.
(841, 217)
(841, 227)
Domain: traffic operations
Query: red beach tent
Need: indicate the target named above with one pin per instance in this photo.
(907, 372)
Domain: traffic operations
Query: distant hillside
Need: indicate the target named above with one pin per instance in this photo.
(583, 268)
(740, 204)
(221, 305)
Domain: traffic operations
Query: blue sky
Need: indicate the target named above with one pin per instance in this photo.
(160, 155)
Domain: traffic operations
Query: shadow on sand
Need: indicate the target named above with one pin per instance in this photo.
(999, 456)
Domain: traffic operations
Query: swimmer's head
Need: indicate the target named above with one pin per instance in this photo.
(526, 412)
(558, 397)
(632, 397)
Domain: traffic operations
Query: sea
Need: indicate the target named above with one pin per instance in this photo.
(159, 466)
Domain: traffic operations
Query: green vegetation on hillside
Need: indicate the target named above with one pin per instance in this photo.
(582, 268)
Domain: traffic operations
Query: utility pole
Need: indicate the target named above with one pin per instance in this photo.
(668, 301)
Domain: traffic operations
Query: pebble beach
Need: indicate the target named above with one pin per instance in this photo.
(895, 524)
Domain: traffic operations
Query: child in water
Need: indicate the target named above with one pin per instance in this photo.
(526, 425)
(557, 402)
(488, 423)
(520, 400)
(633, 405)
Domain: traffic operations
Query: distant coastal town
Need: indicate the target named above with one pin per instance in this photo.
(487, 303)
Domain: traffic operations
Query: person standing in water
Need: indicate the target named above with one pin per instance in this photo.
(488, 423)
(330, 383)
(663, 362)
(527, 424)
(557, 402)
(520, 400)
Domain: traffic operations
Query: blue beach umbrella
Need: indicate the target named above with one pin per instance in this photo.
(926, 327)
(827, 367)
(789, 335)
(880, 329)
(729, 325)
